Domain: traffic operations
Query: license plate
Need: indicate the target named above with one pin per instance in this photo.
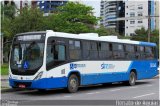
(22, 86)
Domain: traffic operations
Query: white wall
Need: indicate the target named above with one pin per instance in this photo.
(132, 6)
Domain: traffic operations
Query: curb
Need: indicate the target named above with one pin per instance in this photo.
(11, 90)
(4, 79)
(7, 90)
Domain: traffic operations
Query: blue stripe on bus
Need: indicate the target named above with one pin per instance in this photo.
(95, 78)
(147, 44)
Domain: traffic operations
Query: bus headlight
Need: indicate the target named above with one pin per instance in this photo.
(38, 76)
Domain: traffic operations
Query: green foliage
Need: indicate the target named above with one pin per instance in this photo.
(8, 11)
(141, 31)
(30, 19)
(142, 35)
(70, 18)
(102, 31)
(74, 18)
(6, 27)
(7, 15)
(155, 32)
(4, 69)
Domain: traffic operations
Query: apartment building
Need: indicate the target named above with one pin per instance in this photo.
(137, 16)
(126, 16)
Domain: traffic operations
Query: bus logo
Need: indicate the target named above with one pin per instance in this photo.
(107, 66)
(74, 66)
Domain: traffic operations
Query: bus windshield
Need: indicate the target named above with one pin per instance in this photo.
(26, 55)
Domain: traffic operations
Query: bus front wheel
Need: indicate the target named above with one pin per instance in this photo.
(73, 83)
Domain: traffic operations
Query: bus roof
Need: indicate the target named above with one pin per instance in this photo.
(29, 33)
(95, 36)
(90, 36)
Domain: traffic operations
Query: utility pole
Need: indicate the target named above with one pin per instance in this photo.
(149, 28)
(20, 6)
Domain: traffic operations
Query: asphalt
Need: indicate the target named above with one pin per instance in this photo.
(147, 89)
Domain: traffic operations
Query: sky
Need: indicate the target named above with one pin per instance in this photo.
(95, 4)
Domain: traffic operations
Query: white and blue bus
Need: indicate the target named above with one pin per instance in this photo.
(49, 60)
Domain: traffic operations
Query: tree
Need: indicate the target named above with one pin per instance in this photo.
(142, 35)
(7, 15)
(74, 18)
(102, 31)
(155, 36)
(8, 10)
(30, 19)
(141, 31)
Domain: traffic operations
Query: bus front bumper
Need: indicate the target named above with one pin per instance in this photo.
(45, 83)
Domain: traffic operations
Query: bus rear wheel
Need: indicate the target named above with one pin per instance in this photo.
(132, 79)
(73, 83)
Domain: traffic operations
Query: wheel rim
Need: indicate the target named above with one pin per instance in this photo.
(73, 83)
(132, 79)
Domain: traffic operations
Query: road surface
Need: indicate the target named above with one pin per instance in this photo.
(147, 89)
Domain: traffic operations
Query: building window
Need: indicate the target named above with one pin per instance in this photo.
(140, 21)
(132, 14)
(132, 22)
(132, 7)
(140, 14)
(140, 7)
(132, 34)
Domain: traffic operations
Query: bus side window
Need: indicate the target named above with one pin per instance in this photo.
(74, 49)
(111, 52)
(154, 52)
(56, 54)
(93, 50)
(118, 51)
(104, 52)
(86, 48)
(149, 53)
(130, 52)
(140, 52)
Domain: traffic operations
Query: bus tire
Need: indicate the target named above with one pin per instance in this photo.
(73, 83)
(132, 79)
